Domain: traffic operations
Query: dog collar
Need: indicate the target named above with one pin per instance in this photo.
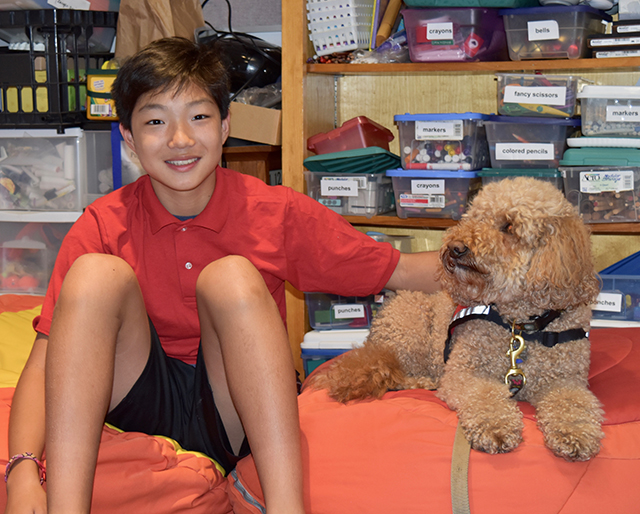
(530, 330)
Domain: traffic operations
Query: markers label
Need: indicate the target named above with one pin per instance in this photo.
(524, 152)
(543, 30)
(623, 113)
(450, 129)
(536, 95)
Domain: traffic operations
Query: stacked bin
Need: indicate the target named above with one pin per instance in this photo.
(43, 146)
(601, 170)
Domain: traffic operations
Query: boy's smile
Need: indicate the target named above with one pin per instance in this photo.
(178, 137)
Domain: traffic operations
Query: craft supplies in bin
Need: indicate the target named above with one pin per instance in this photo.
(358, 132)
(552, 32)
(44, 63)
(455, 141)
(619, 298)
(330, 311)
(433, 193)
(455, 34)
(40, 169)
(401, 243)
(528, 142)
(28, 250)
(339, 26)
(548, 175)
(521, 94)
(610, 111)
(319, 346)
(604, 183)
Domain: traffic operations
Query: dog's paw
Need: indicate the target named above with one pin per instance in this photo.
(574, 441)
(494, 436)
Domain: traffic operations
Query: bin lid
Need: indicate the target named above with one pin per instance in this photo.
(530, 120)
(555, 9)
(441, 117)
(603, 142)
(327, 339)
(610, 92)
(368, 160)
(627, 266)
(601, 157)
(401, 172)
(505, 172)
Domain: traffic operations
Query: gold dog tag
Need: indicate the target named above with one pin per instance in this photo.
(515, 377)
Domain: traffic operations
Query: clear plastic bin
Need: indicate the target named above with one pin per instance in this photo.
(358, 194)
(610, 111)
(28, 252)
(553, 32)
(319, 346)
(619, 298)
(521, 94)
(433, 193)
(330, 311)
(455, 34)
(359, 132)
(552, 175)
(526, 142)
(443, 141)
(40, 169)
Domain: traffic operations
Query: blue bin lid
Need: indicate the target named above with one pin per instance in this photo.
(553, 9)
(530, 120)
(627, 266)
(441, 117)
(401, 172)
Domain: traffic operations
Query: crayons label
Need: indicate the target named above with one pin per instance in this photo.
(450, 129)
(430, 187)
(543, 30)
(524, 152)
(623, 113)
(608, 302)
(536, 95)
(606, 181)
(439, 31)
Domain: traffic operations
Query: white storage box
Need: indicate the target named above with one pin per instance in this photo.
(28, 250)
(40, 170)
(320, 346)
(331, 311)
(610, 111)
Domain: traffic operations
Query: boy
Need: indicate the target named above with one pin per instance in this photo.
(169, 293)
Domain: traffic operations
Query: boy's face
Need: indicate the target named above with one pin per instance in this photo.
(178, 139)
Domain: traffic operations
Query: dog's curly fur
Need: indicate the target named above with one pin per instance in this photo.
(522, 248)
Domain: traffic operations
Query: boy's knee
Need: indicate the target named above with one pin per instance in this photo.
(99, 273)
(232, 279)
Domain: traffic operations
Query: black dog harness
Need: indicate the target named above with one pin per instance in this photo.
(530, 330)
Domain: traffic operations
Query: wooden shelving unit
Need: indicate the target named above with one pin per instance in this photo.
(318, 97)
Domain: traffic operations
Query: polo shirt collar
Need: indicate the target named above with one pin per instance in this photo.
(213, 217)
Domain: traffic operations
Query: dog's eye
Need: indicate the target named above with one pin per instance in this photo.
(507, 228)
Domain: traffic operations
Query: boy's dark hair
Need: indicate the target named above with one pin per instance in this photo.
(168, 63)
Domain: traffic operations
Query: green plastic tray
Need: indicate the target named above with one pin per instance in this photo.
(363, 160)
(601, 157)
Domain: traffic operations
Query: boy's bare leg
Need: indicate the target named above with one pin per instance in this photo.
(98, 346)
(244, 339)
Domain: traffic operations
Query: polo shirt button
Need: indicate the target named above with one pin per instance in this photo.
(184, 229)
(188, 265)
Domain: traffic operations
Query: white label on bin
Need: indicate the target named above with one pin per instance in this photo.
(439, 31)
(336, 186)
(608, 302)
(348, 311)
(627, 29)
(524, 151)
(543, 30)
(422, 201)
(451, 129)
(79, 5)
(616, 41)
(427, 187)
(606, 181)
(623, 113)
(536, 95)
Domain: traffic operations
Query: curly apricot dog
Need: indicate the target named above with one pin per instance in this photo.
(520, 263)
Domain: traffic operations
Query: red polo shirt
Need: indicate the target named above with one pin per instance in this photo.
(285, 234)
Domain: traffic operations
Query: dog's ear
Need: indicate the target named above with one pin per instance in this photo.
(562, 272)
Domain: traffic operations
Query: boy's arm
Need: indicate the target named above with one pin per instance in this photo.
(416, 272)
(27, 434)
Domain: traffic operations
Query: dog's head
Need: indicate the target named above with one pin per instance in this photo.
(521, 246)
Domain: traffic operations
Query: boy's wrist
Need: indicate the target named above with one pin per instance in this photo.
(24, 470)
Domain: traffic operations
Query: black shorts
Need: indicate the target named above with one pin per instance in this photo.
(174, 399)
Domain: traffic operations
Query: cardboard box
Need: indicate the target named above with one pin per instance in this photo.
(257, 124)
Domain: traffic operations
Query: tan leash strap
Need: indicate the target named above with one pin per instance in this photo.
(460, 473)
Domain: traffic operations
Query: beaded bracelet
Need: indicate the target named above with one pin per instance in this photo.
(30, 456)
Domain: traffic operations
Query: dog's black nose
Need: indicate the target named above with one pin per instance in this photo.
(458, 249)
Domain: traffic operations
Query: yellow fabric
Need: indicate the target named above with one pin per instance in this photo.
(16, 339)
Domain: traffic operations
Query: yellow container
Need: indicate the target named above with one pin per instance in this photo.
(100, 105)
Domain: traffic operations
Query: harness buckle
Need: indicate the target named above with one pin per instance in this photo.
(515, 377)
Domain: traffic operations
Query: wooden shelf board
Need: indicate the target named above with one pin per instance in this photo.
(478, 67)
(443, 223)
